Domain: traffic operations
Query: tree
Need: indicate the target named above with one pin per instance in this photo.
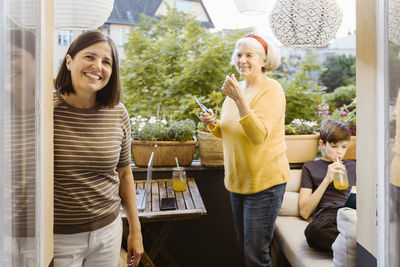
(339, 70)
(170, 60)
(303, 94)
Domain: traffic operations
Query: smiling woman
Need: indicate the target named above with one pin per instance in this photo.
(92, 173)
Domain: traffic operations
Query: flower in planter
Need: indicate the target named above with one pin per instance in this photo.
(155, 129)
(300, 127)
(346, 114)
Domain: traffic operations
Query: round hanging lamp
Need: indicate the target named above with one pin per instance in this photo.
(81, 14)
(68, 14)
(305, 23)
(394, 21)
(253, 7)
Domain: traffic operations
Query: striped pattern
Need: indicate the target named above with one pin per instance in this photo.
(88, 147)
(19, 181)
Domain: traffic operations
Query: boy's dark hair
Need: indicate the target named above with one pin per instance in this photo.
(332, 131)
(110, 95)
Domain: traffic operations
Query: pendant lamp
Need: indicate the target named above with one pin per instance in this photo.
(305, 23)
(68, 14)
(253, 7)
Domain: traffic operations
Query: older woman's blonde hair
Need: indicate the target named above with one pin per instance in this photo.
(271, 59)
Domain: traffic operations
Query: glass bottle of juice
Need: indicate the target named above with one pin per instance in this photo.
(178, 179)
(340, 180)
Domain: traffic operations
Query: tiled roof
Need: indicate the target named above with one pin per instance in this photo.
(127, 11)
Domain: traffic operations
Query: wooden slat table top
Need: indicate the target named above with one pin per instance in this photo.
(189, 202)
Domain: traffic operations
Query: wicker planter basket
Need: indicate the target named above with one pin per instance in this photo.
(165, 152)
(301, 148)
(210, 150)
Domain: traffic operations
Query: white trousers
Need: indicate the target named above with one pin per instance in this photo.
(99, 248)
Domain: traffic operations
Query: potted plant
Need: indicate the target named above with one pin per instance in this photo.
(168, 140)
(301, 138)
(347, 115)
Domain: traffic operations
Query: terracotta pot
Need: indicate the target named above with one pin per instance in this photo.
(351, 149)
(165, 152)
(301, 148)
(210, 150)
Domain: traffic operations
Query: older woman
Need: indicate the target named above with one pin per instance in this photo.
(252, 131)
(92, 172)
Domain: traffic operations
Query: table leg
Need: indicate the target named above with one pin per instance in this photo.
(161, 237)
(169, 260)
(146, 261)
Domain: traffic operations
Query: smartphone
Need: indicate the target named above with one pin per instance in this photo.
(201, 106)
(168, 203)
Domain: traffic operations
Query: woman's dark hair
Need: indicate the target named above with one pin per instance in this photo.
(23, 39)
(110, 95)
(332, 131)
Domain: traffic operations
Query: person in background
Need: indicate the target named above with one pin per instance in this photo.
(92, 172)
(253, 136)
(19, 129)
(317, 195)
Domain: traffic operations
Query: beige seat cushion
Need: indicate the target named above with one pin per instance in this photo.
(289, 234)
(291, 197)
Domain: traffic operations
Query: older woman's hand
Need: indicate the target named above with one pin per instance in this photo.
(208, 118)
(231, 88)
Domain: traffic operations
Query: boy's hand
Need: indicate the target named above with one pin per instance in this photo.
(336, 167)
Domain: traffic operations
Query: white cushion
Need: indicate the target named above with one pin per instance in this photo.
(294, 182)
(289, 235)
(290, 206)
(344, 247)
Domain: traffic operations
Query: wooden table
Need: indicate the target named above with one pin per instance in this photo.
(189, 205)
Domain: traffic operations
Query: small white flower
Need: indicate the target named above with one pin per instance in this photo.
(164, 122)
(153, 120)
(141, 125)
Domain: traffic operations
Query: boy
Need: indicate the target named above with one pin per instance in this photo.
(317, 195)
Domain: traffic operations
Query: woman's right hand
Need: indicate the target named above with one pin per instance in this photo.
(208, 118)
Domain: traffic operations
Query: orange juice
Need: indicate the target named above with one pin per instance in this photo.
(178, 185)
(340, 184)
(178, 179)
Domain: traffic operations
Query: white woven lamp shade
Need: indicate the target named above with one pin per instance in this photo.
(305, 23)
(253, 7)
(394, 21)
(81, 14)
(68, 14)
(23, 12)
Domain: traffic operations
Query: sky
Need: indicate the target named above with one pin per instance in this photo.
(225, 15)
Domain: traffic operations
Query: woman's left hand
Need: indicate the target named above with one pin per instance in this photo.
(231, 88)
(135, 249)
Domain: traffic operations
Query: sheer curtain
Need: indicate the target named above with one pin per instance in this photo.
(393, 55)
(19, 132)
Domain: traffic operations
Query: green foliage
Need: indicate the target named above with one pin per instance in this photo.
(339, 70)
(299, 126)
(343, 95)
(154, 129)
(303, 94)
(170, 60)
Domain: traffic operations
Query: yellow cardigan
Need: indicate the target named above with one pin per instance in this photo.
(254, 146)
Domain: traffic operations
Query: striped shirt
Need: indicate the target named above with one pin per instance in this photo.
(20, 176)
(88, 147)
